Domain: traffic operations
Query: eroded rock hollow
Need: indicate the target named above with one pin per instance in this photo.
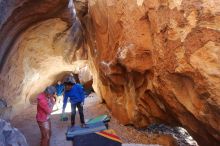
(153, 61)
(40, 43)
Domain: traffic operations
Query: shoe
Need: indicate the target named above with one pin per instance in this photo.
(84, 126)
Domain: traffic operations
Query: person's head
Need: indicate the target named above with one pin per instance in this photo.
(59, 82)
(50, 91)
(69, 82)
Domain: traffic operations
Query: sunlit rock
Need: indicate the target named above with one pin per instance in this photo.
(158, 61)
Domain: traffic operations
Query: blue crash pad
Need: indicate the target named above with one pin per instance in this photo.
(78, 130)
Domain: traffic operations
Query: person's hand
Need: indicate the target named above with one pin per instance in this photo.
(55, 97)
(52, 99)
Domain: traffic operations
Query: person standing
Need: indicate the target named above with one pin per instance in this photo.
(60, 90)
(45, 103)
(74, 92)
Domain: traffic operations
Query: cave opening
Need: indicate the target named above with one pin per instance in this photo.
(44, 54)
(40, 57)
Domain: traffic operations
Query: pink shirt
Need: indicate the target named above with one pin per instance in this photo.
(44, 107)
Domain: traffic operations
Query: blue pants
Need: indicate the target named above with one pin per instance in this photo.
(73, 113)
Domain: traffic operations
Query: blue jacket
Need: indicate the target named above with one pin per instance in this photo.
(76, 95)
(60, 89)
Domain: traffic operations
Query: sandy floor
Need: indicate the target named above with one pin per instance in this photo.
(93, 107)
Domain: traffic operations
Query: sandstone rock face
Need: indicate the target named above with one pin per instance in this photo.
(40, 40)
(18, 15)
(157, 61)
(85, 75)
(41, 56)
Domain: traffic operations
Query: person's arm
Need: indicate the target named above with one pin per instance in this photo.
(44, 105)
(53, 100)
(65, 101)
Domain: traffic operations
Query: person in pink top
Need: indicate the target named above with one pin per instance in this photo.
(45, 103)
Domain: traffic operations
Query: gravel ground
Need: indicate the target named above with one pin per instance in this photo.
(182, 137)
(27, 124)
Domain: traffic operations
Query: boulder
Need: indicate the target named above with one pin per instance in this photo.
(10, 136)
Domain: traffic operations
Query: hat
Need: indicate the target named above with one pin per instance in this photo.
(50, 90)
(70, 80)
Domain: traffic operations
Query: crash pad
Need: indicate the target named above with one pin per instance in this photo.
(102, 138)
(102, 118)
(78, 130)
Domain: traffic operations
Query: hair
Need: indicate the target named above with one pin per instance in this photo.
(50, 90)
(69, 80)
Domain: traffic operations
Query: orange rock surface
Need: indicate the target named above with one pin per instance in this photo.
(158, 61)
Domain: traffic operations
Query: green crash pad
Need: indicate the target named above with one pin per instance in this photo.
(102, 118)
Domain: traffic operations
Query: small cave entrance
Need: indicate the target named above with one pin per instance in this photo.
(42, 55)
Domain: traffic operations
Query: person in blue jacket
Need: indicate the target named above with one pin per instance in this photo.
(59, 93)
(75, 93)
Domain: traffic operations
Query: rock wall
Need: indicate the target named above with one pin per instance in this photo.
(11, 136)
(41, 57)
(157, 61)
(40, 42)
(17, 15)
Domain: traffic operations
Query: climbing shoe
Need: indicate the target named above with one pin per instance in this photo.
(84, 126)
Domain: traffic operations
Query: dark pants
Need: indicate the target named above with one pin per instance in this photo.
(45, 129)
(73, 113)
